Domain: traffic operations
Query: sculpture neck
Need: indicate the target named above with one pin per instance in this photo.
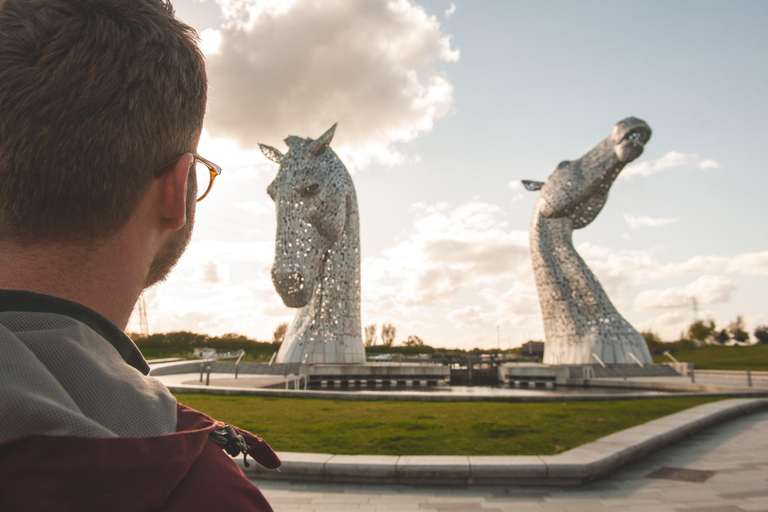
(341, 273)
(333, 313)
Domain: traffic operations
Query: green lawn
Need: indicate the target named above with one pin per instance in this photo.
(431, 428)
(754, 357)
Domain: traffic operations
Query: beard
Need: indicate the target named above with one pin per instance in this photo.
(169, 254)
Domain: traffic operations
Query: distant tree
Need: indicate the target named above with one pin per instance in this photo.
(722, 336)
(388, 333)
(413, 341)
(761, 333)
(279, 335)
(370, 335)
(651, 339)
(736, 328)
(701, 331)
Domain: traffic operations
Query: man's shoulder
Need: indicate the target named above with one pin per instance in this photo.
(32, 399)
(182, 471)
(59, 376)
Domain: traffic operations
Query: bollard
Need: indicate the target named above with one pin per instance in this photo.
(208, 375)
(202, 365)
(749, 377)
(693, 375)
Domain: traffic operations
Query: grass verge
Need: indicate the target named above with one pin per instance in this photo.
(754, 357)
(431, 428)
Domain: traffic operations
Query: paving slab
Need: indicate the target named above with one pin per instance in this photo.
(375, 468)
(433, 469)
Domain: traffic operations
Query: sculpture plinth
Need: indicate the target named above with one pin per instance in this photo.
(317, 252)
(579, 318)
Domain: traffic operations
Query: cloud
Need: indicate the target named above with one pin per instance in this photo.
(516, 185)
(671, 160)
(707, 289)
(617, 270)
(640, 221)
(237, 163)
(708, 164)
(263, 207)
(668, 324)
(296, 67)
(210, 41)
(589, 250)
(211, 272)
(218, 287)
(448, 252)
(459, 273)
(752, 264)
(468, 315)
(450, 10)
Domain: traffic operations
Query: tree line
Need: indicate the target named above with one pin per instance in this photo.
(180, 343)
(388, 334)
(706, 332)
(699, 333)
(370, 335)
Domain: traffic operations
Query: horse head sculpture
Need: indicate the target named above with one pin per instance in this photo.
(317, 255)
(580, 322)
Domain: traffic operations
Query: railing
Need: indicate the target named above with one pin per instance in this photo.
(296, 379)
(598, 360)
(587, 373)
(205, 367)
(635, 359)
(272, 359)
(237, 363)
(666, 353)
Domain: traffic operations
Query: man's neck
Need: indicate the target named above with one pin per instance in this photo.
(101, 277)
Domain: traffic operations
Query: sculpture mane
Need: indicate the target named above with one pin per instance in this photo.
(579, 318)
(317, 252)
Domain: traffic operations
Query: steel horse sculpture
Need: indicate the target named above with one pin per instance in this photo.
(579, 318)
(317, 252)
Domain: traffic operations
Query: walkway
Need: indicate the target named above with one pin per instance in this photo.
(730, 458)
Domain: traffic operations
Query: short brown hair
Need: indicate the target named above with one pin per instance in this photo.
(94, 94)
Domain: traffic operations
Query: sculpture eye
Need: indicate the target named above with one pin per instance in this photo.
(310, 190)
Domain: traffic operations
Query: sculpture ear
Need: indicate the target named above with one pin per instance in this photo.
(271, 153)
(319, 145)
(533, 186)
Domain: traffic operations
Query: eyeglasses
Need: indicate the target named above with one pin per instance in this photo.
(205, 172)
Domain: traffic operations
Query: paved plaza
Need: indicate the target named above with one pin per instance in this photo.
(727, 472)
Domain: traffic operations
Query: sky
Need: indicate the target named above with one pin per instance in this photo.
(442, 108)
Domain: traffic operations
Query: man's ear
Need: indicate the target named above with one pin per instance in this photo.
(174, 193)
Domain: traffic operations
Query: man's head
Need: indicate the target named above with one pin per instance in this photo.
(94, 95)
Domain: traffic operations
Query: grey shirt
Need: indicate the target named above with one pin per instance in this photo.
(66, 370)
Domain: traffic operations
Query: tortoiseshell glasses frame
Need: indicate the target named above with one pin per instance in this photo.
(213, 171)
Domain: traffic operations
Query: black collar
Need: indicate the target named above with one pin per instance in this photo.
(23, 301)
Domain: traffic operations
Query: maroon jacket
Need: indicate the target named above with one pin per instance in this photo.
(184, 471)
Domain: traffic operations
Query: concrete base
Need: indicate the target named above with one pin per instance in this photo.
(543, 375)
(366, 375)
(533, 375)
(376, 375)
